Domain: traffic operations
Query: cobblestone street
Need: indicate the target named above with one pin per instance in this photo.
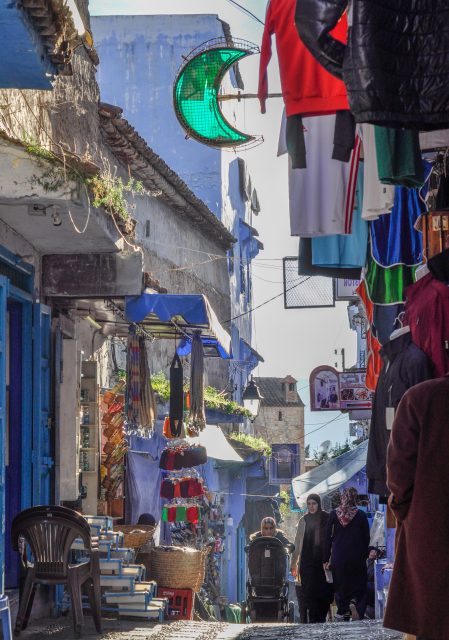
(127, 630)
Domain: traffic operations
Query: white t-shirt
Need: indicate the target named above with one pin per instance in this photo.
(321, 195)
(378, 198)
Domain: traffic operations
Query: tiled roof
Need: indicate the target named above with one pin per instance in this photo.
(156, 175)
(273, 396)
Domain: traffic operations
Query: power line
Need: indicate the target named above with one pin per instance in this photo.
(245, 313)
(246, 11)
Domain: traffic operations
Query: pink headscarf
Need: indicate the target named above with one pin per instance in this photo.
(348, 506)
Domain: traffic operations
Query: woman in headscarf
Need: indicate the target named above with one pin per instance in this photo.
(314, 593)
(345, 553)
(268, 528)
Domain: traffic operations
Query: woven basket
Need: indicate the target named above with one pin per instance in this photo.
(178, 567)
(135, 535)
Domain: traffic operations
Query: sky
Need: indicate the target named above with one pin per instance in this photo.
(291, 341)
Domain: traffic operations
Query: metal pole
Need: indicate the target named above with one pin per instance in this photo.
(244, 96)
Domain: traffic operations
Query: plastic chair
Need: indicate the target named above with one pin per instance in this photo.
(6, 617)
(50, 532)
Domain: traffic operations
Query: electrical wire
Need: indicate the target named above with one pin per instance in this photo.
(246, 11)
(245, 313)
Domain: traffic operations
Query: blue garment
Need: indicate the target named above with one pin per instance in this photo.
(344, 251)
(384, 317)
(394, 240)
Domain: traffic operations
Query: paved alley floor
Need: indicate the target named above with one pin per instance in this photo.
(61, 629)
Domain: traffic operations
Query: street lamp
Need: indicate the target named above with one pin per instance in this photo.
(251, 399)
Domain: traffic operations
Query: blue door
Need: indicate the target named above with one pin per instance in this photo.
(241, 564)
(42, 461)
(3, 298)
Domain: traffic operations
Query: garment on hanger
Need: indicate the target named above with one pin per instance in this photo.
(321, 196)
(378, 198)
(307, 268)
(373, 346)
(344, 251)
(387, 285)
(430, 140)
(427, 313)
(396, 74)
(394, 238)
(384, 319)
(306, 86)
(399, 157)
(404, 366)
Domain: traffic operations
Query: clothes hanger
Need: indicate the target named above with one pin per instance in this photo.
(421, 271)
(402, 330)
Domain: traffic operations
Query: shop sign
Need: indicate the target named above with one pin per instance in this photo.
(345, 289)
(331, 390)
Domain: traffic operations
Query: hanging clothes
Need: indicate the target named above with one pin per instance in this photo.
(307, 88)
(374, 361)
(394, 238)
(387, 285)
(399, 157)
(344, 251)
(378, 198)
(385, 320)
(404, 365)
(307, 268)
(321, 196)
(427, 314)
(395, 73)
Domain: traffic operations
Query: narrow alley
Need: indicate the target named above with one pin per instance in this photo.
(186, 630)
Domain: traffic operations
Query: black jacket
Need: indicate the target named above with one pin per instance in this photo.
(396, 63)
(404, 366)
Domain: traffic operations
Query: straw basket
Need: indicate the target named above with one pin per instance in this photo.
(135, 535)
(179, 567)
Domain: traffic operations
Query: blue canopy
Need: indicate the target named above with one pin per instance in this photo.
(169, 316)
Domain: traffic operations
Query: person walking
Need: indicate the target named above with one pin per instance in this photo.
(345, 553)
(417, 469)
(313, 591)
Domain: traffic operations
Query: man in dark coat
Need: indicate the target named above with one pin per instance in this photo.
(417, 473)
(396, 63)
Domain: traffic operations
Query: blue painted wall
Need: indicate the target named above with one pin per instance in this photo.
(139, 60)
(24, 64)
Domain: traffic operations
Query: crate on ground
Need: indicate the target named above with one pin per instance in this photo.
(180, 602)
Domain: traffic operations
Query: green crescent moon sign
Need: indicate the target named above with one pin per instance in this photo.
(196, 93)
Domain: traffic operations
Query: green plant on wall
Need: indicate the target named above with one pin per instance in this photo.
(107, 191)
(213, 399)
(258, 444)
(284, 503)
(110, 192)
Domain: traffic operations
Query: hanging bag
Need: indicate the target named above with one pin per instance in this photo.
(176, 397)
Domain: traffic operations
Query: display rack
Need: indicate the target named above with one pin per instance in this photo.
(89, 435)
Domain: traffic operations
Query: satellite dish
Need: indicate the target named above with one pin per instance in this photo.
(325, 446)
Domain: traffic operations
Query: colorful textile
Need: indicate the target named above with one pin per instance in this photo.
(387, 286)
(394, 240)
(385, 320)
(427, 313)
(321, 196)
(307, 87)
(399, 157)
(344, 251)
(373, 361)
(348, 506)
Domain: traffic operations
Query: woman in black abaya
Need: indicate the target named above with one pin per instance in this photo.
(316, 594)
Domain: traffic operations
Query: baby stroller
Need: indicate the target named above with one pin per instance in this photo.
(267, 585)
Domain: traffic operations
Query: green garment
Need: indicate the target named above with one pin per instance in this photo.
(232, 613)
(387, 285)
(399, 159)
(181, 514)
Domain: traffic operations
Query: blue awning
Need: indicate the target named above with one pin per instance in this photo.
(170, 316)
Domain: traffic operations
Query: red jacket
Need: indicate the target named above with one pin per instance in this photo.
(308, 89)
